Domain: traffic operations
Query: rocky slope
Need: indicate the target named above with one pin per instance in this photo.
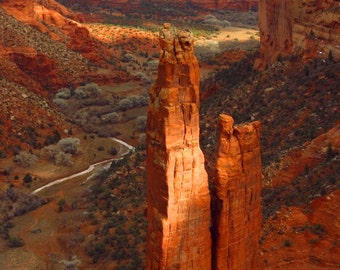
(310, 28)
(298, 107)
(41, 37)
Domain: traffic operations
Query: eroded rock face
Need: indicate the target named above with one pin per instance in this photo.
(240, 5)
(237, 215)
(310, 27)
(178, 198)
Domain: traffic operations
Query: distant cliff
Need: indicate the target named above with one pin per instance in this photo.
(240, 5)
(307, 27)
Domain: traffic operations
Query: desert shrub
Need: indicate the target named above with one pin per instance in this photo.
(25, 159)
(51, 139)
(2, 154)
(79, 93)
(49, 152)
(142, 141)
(143, 77)
(110, 117)
(95, 120)
(27, 178)
(127, 58)
(125, 104)
(139, 101)
(69, 145)
(152, 64)
(70, 264)
(60, 102)
(92, 90)
(4, 231)
(61, 202)
(14, 202)
(14, 241)
(287, 243)
(63, 159)
(211, 19)
(317, 229)
(113, 151)
(141, 122)
(63, 93)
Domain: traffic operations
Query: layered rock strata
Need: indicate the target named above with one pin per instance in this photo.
(239, 5)
(310, 27)
(237, 218)
(178, 198)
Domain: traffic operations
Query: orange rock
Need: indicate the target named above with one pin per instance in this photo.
(177, 186)
(237, 218)
(310, 28)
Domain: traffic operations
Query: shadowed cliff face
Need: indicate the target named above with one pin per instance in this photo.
(310, 28)
(178, 199)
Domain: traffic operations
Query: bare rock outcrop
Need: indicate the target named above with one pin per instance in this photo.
(237, 215)
(178, 198)
(310, 27)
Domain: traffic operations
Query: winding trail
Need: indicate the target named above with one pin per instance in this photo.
(128, 148)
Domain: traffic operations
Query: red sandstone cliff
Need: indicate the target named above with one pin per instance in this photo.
(311, 28)
(237, 219)
(240, 5)
(178, 199)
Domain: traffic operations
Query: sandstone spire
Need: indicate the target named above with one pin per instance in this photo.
(178, 199)
(237, 219)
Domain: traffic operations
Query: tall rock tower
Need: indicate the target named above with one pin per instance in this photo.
(178, 198)
(237, 218)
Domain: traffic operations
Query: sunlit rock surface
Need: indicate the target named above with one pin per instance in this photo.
(237, 215)
(178, 198)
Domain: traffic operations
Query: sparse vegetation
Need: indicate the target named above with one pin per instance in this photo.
(25, 159)
(27, 178)
(120, 233)
(14, 202)
(69, 145)
(287, 243)
(14, 242)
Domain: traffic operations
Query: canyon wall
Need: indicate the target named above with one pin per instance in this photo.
(237, 215)
(307, 27)
(178, 213)
(240, 5)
